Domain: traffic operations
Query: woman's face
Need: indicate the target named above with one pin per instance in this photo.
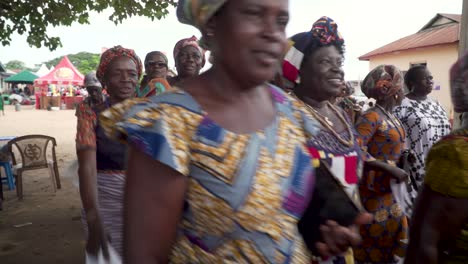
(423, 83)
(249, 39)
(189, 62)
(156, 66)
(121, 78)
(322, 75)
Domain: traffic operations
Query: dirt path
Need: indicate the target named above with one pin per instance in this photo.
(50, 227)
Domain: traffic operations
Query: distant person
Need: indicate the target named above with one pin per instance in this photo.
(102, 160)
(94, 89)
(425, 122)
(154, 81)
(351, 106)
(439, 228)
(189, 60)
(2, 104)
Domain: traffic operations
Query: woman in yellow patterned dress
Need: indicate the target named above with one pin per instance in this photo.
(382, 136)
(439, 228)
(218, 171)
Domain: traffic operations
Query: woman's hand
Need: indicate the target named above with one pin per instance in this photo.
(338, 239)
(97, 238)
(398, 174)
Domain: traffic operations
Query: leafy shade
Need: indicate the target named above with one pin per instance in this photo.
(85, 62)
(33, 17)
(15, 65)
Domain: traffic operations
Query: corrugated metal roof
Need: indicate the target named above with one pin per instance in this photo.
(453, 17)
(440, 35)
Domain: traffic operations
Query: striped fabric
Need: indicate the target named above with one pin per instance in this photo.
(110, 198)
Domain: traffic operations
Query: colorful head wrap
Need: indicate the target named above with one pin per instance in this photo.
(192, 41)
(459, 84)
(324, 30)
(198, 12)
(382, 82)
(109, 55)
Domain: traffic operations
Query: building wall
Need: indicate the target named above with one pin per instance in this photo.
(439, 59)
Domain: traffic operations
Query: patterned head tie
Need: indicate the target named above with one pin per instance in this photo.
(198, 12)
(109, 55)
(459, 84)
(324, 32)
(192, 41)
(382, 82)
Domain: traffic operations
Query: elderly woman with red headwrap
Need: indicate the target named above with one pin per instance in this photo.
(382, 136)
(189, 59)
(102, 160)
(439, 228)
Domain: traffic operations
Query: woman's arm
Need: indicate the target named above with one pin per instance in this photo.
(153, 208)
(436, 218)
(88, 183)
(87, 173)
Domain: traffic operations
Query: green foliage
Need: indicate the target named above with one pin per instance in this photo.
(15, 65)
(33, 17)
(85, 62)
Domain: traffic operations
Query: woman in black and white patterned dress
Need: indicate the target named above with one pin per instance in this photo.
(425, 122)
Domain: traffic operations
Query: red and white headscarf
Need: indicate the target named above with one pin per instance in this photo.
(109, 55)
(192, 41)
(324, 30)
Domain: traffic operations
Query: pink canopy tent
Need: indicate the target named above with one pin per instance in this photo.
(63, 74)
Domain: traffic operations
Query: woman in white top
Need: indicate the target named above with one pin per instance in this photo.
(425, 122)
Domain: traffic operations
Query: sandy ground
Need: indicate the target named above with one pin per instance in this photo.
(53, 232)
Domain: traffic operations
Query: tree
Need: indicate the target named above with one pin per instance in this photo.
(33, 17)
(15, 65)
(85, 62)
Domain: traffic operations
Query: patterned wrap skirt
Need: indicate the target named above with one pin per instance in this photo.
(110, 198)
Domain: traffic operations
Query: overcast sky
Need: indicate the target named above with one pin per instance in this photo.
(364, 24)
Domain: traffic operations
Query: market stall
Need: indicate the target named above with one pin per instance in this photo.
(58, 88)
(22, 86)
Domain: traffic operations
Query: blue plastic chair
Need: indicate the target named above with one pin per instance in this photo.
(9, 179)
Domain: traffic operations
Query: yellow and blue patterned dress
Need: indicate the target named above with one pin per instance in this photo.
(246, 191)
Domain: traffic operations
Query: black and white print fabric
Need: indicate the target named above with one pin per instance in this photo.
(425, 122)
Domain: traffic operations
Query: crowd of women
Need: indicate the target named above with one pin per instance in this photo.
(225, 167)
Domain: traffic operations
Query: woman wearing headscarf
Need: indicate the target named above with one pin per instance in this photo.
(102, 160)
(233, 172)
(154, 81)
(189, 59)
(425, 122)
(439, 227)
(382, 136)
(314, 64)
